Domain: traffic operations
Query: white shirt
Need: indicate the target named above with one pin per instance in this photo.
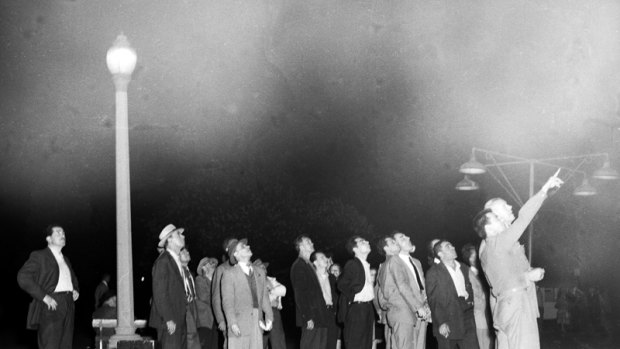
(325, 287)
(64, 276)
(246, 268)
(367, 293)
(177, 259)
(458, 279)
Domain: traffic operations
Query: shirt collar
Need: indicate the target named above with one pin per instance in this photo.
(245, 267)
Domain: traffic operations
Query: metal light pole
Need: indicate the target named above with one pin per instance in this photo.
(121, 60)
(473, 167)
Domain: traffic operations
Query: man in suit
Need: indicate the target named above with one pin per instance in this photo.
(245, 299)
(451, 300)
(102, 289)
(405, 298)
(216, 291)
(275, 338)
(170, 297)
(48, 278)
(328, 289)
(191, 316)
(207, 330)
(388, 247)
(310, 309)
(514, 304)
(357, 294)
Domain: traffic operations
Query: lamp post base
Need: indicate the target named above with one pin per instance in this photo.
(127, 341)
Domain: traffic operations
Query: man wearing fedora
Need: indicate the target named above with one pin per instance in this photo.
(207, 332)
(216, 290)
(170, 299)
(245, 299)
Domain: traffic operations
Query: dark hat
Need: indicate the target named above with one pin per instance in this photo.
(258, 263)
(205, 261)
(232, 246)
(226, 243)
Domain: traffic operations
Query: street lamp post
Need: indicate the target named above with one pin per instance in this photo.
(121, 60)
(474, 167)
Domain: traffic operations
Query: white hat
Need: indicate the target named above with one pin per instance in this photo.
(163, 236)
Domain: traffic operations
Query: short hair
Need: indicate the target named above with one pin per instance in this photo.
(49, 230)
(480, 221)
(466, 251)
(335, 265)
(394, 232)
(437, 247)
(351, 244)
(430, 245)
(298, 240)
(490, 202)
(381, 243)
(313, 255)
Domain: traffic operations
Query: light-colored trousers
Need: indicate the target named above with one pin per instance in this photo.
(514, 318)
(252, 340)
(406, 336)
(484, 338)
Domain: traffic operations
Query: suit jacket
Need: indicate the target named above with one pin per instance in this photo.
(444, 301)
(379, 299)
(309, 301)
(237, 299)
(169, 299)
(203, 302)
(100, 291)
(39, 277)
(401, 296)
(350, 283)
(216, 292)
(333, 285)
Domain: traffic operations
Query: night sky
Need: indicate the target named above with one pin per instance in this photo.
(240, 110)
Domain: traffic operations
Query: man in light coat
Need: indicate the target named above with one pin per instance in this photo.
(408, 312)
(245, 299)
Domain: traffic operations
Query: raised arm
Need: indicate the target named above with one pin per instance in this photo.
(529, 210)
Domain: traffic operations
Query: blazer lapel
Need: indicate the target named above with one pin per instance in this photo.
(449, 280)
(51, 260)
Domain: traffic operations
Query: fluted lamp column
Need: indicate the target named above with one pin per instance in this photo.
(121, 60)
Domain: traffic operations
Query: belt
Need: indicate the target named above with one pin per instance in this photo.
(64, 292)
(330, 307)
(512, 290)
(361, 302)
(465, 302)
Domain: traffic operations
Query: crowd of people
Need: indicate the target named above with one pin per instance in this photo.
(488, 299)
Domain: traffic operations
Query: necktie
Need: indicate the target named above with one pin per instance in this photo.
(189, 287)
(417, 276)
